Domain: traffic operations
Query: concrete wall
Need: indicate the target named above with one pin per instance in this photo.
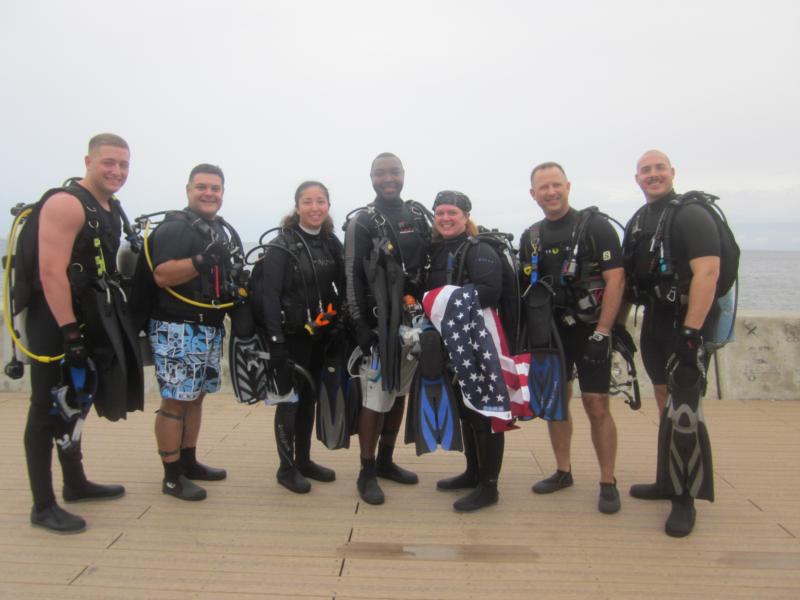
(762, 364)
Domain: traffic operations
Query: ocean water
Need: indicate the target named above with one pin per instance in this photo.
(768, 279)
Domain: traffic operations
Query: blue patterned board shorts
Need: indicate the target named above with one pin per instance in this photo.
(186, 358)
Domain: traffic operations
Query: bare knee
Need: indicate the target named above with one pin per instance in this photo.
(596, 407)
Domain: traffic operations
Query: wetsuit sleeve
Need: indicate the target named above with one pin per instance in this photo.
(171, 240)
(486, 272)
(276, 261)
(695, 231)
(606, 246)
(357, 246)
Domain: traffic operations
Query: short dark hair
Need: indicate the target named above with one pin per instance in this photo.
(547, 165)
(385, 155)
(209, 169)
(107, 139)
(308, 184)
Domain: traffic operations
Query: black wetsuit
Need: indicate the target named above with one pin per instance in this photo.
(694, 234)
(45, 338)
(289, 297)
(600, 249)
(411, 241)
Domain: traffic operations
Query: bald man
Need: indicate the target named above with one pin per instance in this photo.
(672, 321)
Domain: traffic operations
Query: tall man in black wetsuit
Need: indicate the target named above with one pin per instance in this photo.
(64, 243)
(670, 328)
(396, 234)
(586, 340)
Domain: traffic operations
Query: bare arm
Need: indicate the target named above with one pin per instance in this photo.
(702, 289)
(624, 311)
(60, 221)
(174, 272)
(612, 298)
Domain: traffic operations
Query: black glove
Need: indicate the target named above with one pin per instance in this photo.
(75, 352)
(217, 252)
(687, 346)
(278, 356)
(365, 338)
(598, 349)
(620, 333)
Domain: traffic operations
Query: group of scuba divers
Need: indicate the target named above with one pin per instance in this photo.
(416, 303)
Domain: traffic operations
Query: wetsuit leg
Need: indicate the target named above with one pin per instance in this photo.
(288, 475)
(42, 427)
(490, 448)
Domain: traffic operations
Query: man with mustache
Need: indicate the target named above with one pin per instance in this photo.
(671, 341)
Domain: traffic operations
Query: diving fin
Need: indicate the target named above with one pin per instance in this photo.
(332, 410)
(684, 448)
(623, 348)
(434, 404)
(248, 368)
(547, 378)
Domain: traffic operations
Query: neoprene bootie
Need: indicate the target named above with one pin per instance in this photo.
(56, 519)
(367, 483)
(198, 471)
(388, 469)
(469, 478)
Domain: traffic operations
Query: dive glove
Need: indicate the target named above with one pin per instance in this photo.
(215, 253)
(278, 356)
(598, 348)
(365, 338)
(687, 346)
(75, 352)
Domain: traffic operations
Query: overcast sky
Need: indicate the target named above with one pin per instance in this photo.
(471, 95)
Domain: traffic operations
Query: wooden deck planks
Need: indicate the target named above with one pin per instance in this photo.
(252, 539)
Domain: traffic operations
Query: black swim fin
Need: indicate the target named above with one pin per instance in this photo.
(332, 410)
(434, 405)
(248, 368)
(684, 448)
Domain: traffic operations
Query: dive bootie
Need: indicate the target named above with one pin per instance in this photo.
(557, 481)
(680, 522)
(312, 470)
(92, 491)
(368, 488)
(198, 471)
(469, 478)
(388, 469)
(608, 502)
(183, 489)
(648, 491)
(292, 479)
(56, 519)
(288, 475)
(485, 494)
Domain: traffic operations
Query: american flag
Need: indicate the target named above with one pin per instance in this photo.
(493, 382)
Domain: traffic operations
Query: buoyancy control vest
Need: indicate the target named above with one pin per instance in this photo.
(310, 302)
(665, 282)
(386, 240)
(204, 299)
(92, 261)
(510, 306)
(580, 293)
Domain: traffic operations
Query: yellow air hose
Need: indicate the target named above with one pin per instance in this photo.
(12, 238)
